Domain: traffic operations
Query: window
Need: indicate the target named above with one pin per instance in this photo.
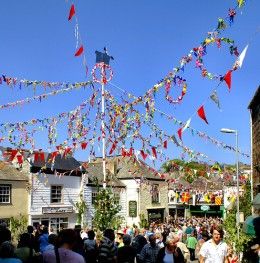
(56, 194)
(117, 198)
(93, 197)
(5, 194)
(57, 224)
(155, 194)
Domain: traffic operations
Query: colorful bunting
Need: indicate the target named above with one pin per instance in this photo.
(227, 79)
(201, 114)
(214, 98)
(72, 12)
(79, 51)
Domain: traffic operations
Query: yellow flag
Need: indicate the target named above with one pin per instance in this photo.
(240, 3)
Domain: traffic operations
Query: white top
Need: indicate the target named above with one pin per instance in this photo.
(213, 253)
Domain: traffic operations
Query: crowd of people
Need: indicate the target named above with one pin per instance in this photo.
(180, 241)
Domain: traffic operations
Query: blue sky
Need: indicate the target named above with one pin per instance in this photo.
(147, 40)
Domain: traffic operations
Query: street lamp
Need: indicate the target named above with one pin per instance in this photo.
(238, 214)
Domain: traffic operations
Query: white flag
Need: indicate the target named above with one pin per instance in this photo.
(241, 57)
(187, 124)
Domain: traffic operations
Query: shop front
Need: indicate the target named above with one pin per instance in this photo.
(207, 210)
(176, 211)
(55, 218)
(156, 215)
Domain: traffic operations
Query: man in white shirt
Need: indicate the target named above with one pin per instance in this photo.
(214, 250)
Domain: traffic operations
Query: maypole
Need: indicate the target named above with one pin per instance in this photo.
(102, 63)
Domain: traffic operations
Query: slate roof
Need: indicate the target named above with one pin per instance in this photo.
(95, 172)
(203, 184)
(9, 173)
(127, 168)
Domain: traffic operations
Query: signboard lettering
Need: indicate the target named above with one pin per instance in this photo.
(57, 210)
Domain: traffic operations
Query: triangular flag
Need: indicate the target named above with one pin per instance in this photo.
(240, 3)
(154, 152)
(143, 154)
(72, 12)
(79, 51)
(214, 97)
(241, 57)
(201, 114)
(227, 79)
(165, 144)
(187, 124)
(180, 133)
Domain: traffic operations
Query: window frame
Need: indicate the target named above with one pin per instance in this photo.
(51, 198)
(93, 197)
(157, 194)
(10, 194)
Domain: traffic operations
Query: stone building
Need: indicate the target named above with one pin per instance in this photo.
(254, 108)
(13, 192)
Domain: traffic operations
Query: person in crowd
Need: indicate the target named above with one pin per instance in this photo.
(150, 251)
(90, 247)
(107, 250)
(24, 250)
(33, 242)
(43, 239)
(159, 239)
(126, 253)
(204, 238)
(7, 253)
(63, 252)
(231, 257)
(79, 244)
(170, 253)
(84, 233)
(215, 249)
(138, 243)
(191, 245)
(182, 246)
(256, 249)
(5, 233)
(52, 240)
(119, 238)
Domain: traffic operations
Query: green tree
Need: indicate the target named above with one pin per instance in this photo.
(18, 225)
(106, 209)
(230, 222)
(81, 207)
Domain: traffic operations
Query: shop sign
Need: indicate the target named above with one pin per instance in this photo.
(57, 210)
(204, 207)
(132, 208)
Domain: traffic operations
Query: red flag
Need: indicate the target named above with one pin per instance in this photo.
(72, 12)
(201, 114)
(144, 155)
(19, 158)
(79, 51)
(36, 156)
(66, 151)
(42, 156)
(53, 155)
(13, 154)
(154, 152)
(113, 147)
(124, 153)
(180, 133)
(165, 144)
(131, 151)
(84, 145)
(227, 79)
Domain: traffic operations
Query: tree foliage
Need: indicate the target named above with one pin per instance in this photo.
(107, 208)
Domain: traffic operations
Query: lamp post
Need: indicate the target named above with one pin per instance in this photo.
(224, 130)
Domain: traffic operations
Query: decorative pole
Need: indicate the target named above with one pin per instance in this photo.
(102, 63)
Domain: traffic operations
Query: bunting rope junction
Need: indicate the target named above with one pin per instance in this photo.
(194, 131)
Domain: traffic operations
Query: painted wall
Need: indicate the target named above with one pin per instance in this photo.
(19, 200)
